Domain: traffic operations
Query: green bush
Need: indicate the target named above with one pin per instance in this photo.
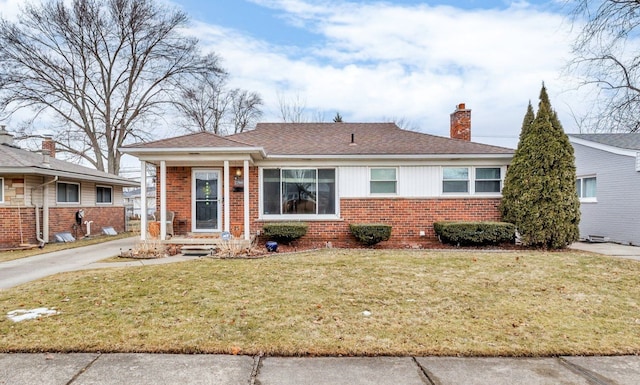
(284, 232)
(370, 233)
(475, 233)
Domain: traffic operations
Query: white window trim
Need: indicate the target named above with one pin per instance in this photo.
(1, 190)
(378, 195)
(104, 203)
(298, 217)
(69, 203)
(587, 199)
(471, 182)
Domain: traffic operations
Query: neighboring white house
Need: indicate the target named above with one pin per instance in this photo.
(608, 177)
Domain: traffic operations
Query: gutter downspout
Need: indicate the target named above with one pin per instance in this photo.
(45, 213)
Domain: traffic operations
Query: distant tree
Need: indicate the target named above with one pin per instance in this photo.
(402, 122)
(539, 194)
(104, 69)
(207, 104)
(337, 118)
(292, 110)
(606, 56)
(245, 107)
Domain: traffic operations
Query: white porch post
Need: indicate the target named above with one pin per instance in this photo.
(143, 200)
(226, 196)
(245, 184)
(163, 200)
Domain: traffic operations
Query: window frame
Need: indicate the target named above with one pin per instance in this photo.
(471, 181)
(476, 180)
(1, 189)
(372, 181)
(99, 186)
(581, 189)
(290, 216)
(58, 201)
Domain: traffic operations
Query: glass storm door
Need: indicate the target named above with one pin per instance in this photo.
(206, 200)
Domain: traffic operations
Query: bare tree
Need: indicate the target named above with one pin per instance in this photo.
(402, 122)
(103, 68)
(607, 57)
(246, 110)
(292, 110)
(204, 102)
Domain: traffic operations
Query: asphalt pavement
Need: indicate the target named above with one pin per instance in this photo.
(159, 369)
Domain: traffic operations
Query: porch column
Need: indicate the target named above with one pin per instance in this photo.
(245, 173)
(227, 195)
(143, 200)
(163, 200)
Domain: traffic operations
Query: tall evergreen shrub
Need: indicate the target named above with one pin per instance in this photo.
(539, 194)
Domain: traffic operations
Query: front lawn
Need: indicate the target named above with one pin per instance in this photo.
(340, 302)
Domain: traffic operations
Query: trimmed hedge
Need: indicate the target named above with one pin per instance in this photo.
(475, 233)
(285, 232)
(370, 233)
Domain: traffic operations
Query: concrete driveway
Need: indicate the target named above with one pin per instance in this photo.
(610, 249)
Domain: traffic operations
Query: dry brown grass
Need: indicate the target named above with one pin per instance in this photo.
(420, 303)
(50, 247)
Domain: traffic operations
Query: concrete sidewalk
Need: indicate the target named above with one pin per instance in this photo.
(159, 369)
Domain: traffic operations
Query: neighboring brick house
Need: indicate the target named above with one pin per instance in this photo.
(40, 196)
(327, 175)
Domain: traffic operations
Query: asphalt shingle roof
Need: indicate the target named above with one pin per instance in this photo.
(15, 158)
(316, 139)
(629, 141)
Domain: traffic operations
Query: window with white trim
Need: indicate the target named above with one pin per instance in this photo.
(298, 191)
(104, 194)
(472, 180)
(67, 192)
(488, 180)
(455, 180)
(383, 180)
(1, 190)
(586, 187)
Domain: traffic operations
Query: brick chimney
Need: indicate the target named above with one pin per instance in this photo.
(5, 136)
(49, 145)
(461, 123)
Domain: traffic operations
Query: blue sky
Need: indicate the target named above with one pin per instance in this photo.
(381, 60)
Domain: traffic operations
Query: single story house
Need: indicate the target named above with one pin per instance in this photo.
(327, 175)
(41, 196)
(608, 177)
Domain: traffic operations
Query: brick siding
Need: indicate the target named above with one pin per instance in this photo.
(61, 219)
(407, 216)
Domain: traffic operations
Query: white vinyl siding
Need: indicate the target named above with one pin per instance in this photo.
(353, 182)
(417, 181)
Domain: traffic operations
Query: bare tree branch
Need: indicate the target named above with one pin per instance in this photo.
(103, 68)
(606, 56)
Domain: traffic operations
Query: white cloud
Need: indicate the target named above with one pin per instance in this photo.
(416, 62)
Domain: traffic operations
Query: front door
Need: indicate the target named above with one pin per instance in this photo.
(205, 213)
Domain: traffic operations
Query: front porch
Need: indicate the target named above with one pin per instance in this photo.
(198, 202)
(206, 244)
